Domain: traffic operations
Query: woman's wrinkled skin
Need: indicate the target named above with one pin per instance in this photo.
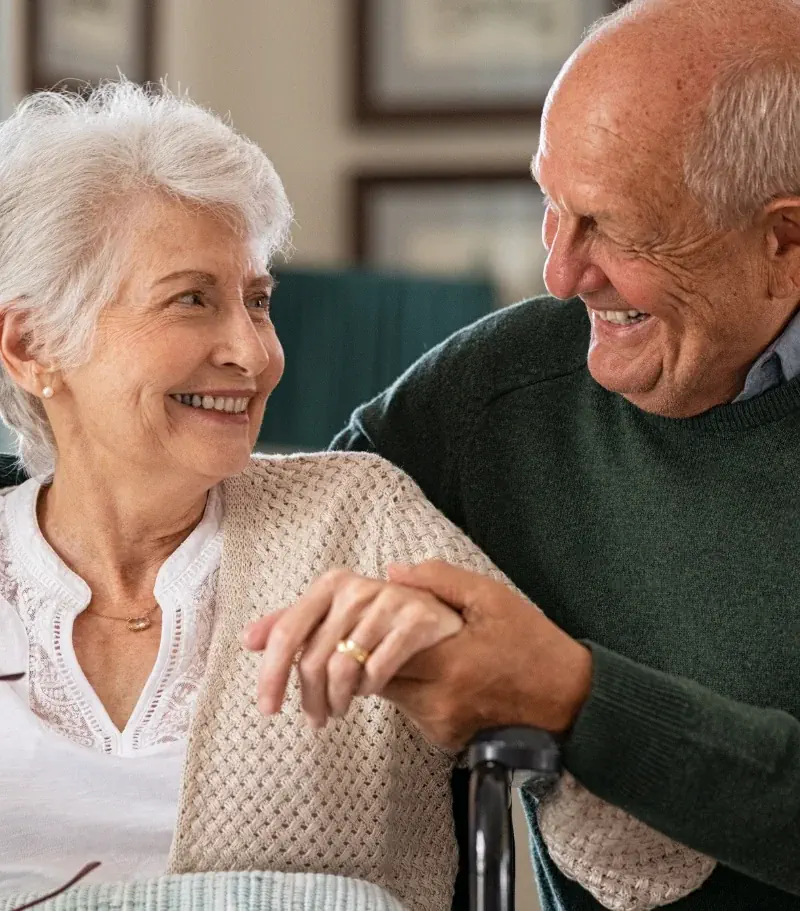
(134, 466)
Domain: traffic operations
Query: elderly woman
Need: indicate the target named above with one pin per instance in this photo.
(138, 357)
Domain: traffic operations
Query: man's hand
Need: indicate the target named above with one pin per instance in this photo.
(391, 623)
(510, 665)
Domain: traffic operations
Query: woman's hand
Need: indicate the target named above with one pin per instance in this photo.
(390, 622)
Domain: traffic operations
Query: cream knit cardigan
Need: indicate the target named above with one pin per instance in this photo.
(367, 797)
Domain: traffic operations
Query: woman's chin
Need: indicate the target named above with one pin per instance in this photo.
(217, 463)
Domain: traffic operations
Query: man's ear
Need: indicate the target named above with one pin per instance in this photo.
(22, 367)
(782, 219)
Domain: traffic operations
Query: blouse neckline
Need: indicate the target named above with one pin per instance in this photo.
(47, 596)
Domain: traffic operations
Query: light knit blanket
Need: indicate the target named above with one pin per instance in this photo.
(221, 892)
(368, 797)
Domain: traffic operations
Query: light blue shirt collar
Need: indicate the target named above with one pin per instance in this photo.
(778, 364)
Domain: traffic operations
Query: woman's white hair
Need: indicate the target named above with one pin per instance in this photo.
(71, 168)
(742, 143)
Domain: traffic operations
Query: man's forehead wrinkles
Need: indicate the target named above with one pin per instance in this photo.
(591, 166)
(643, 132)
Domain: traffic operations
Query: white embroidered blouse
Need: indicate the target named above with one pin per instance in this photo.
(73, 788)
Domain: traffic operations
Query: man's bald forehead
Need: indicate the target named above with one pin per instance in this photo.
(658, 60)
(714, 27)
(704, 10)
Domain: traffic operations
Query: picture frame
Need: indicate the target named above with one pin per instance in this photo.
(481, 222)
(429, 61)
(75, 43)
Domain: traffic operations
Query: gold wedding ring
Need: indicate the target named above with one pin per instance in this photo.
(354, 650)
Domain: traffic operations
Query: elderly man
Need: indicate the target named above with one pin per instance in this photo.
(643, 494)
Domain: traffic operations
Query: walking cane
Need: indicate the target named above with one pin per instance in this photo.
(499, 759)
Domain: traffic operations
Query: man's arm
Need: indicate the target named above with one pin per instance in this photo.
(717, 775)
(720, 776)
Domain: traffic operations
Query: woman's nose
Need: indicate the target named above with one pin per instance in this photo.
(244, 346)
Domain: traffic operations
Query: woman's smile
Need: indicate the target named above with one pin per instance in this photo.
(226, 406)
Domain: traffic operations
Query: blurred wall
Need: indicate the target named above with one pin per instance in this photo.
(11, 53)
(283, 71)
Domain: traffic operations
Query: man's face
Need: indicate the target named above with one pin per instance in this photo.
(679, 311)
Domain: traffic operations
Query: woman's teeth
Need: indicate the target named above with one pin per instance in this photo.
(622, 317)
(210, 403)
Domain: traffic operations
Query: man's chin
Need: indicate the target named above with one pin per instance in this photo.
(633, 380)
(645, 393)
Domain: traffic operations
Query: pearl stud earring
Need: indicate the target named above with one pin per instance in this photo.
(47, 392)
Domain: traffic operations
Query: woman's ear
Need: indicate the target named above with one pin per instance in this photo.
(783, 244)
(22, 367)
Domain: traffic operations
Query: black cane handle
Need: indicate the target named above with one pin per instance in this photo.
(499, 758)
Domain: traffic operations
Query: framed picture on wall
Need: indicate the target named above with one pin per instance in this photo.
(452, 60)
(73, 42)
(485, 223)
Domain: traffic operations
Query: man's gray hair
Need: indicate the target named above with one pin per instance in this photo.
(744, 150)
(742, 144)
(71, 170)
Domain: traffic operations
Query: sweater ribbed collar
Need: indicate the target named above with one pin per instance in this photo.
(768, 408)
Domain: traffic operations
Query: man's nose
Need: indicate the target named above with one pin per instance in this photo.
(569, 270)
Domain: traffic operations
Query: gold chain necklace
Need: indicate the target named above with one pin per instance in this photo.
(134, 624)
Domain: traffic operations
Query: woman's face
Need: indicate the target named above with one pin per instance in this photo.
(183, 361)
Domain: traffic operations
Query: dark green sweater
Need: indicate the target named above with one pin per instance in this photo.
(670, 546)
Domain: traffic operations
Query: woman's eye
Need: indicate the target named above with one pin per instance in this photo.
(192, 298)
(260, 304)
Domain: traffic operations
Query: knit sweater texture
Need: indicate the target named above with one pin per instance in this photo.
(669, 546)
(367, 797)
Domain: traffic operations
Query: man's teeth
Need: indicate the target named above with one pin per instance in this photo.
(210, 403)
(621, 317)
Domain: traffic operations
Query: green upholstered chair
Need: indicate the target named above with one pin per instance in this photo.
(10, 472)
(347, 335)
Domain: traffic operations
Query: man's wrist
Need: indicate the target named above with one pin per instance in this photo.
(575, 687)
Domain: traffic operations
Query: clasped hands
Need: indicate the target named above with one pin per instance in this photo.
(454, 650)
